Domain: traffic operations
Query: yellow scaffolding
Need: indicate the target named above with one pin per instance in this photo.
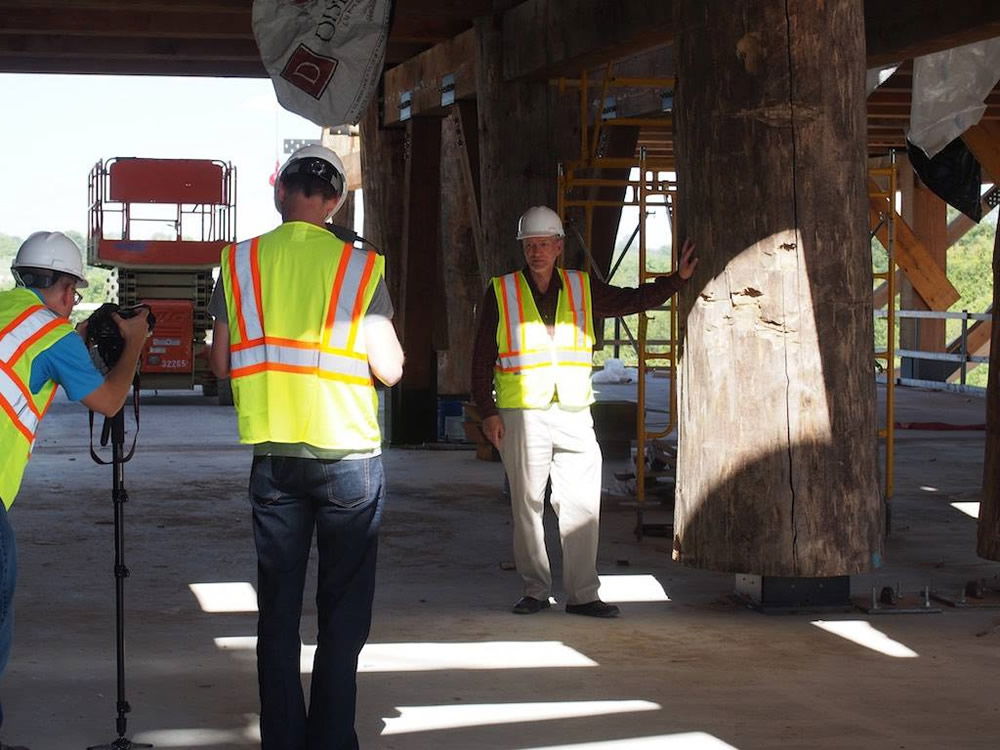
(651, 188)
(882, 189)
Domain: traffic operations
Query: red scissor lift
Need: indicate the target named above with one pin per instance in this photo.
(162, 223)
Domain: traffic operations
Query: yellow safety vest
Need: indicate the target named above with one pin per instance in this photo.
(27, 328)
(532, 367)
(296, 298)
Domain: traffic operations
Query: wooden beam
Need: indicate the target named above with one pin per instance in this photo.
(421, 79)
(897, 31)
(916, 261)
(550, 38)
(466, 123)
(983, 141)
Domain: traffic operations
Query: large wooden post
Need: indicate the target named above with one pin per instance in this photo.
(776, 471)
(988, 545)
(421, 294)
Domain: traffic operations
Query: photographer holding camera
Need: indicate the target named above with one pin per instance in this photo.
(40, 349)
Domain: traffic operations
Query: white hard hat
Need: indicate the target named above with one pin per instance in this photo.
(539, 221)
(318, 161)
(51, 251)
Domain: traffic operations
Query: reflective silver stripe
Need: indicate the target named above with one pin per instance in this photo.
(509, 285)
(23, 331)
(526, 359)
(10, 393)
(335, 364)
(341, 365)
(575, 356)
(248, 299)
(350, 290)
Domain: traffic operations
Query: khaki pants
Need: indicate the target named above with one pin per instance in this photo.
(537, 444)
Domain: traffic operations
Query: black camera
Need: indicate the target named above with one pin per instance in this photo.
(104, 340)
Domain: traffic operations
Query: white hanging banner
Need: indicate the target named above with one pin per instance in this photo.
(949, 89)
(324, 57)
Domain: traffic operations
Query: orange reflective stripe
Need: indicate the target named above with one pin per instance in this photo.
(21, 318)
(338, 283)
(16, 420)
(568, 286)
(34, 337)
(298, 370)
(506, 316)
(366, 275)
(255, 276)
(21, 386)
(237, 293)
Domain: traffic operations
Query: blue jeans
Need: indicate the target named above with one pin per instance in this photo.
(342, 501)
(8, 578)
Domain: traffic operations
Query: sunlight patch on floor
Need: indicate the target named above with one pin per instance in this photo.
(235, 596)
(968, 507)
(863, 634)
(433, 718)
(427, 657)
(632, 588)
(193, 738)
(682, 741)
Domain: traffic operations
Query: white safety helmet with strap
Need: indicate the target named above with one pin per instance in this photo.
(47, 251)
(539, 221)
(317, 161)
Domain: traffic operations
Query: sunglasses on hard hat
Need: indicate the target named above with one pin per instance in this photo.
(324, 170)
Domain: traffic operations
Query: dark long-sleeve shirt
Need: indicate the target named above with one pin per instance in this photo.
(608, 302)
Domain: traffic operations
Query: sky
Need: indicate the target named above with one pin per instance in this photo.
(54, 128)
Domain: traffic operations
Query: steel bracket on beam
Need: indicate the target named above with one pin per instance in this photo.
(405, 105)
(448, 90)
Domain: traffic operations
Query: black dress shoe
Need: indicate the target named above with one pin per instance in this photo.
(529, 605)
(596, 608)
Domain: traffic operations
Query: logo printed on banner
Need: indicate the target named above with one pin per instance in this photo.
(308, 71)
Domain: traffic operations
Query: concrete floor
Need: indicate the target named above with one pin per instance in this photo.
(447, 665)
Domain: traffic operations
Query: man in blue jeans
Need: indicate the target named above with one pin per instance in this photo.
(39, 350)
(303, 327)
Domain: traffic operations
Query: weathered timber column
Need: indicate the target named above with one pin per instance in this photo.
(421, 294)
(776, 471)
(988, 545)
(525, 129)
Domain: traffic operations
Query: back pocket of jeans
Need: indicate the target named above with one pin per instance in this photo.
(348, 482)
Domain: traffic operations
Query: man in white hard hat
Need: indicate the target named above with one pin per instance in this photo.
(534, 347)
(40, 349)
(303, 328)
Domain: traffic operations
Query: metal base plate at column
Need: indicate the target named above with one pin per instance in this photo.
(790, 595)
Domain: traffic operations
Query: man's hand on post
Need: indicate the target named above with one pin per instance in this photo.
(687, 262)
(493, 429)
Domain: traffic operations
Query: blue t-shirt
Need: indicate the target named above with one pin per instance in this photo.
(68, 363)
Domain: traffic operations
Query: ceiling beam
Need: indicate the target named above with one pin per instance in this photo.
(420, 79)
(898, 31)
(551, 38)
